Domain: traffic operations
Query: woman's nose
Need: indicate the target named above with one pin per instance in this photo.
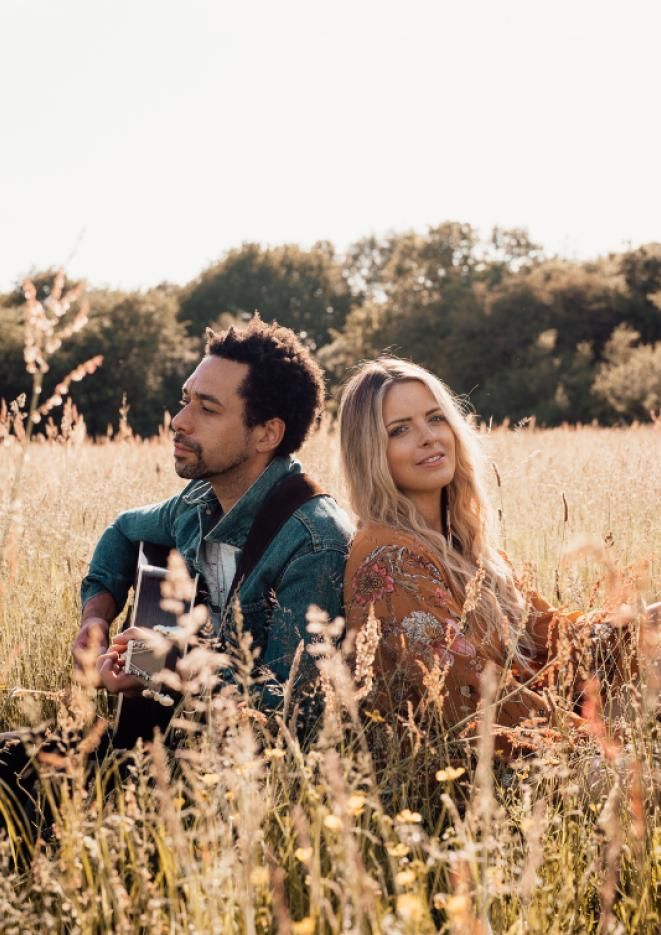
(426, 433)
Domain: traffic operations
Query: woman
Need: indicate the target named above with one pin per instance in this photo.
(425, 559)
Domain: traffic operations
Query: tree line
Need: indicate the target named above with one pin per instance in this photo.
(519, 333)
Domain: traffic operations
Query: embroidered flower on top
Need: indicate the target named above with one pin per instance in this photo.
(421, 627)
(443, 638)
(371, 582)
(442, 597)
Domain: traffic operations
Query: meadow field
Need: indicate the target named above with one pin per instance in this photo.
(368, 829)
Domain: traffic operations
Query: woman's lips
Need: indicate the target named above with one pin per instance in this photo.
(431, 461)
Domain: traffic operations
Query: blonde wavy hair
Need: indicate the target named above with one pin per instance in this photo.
(467, 545)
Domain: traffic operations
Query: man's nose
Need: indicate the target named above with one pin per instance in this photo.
(180, 420)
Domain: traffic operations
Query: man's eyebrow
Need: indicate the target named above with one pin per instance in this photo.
(408, 418)
(207, 397)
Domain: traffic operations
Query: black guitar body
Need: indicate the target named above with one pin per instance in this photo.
(140, 717)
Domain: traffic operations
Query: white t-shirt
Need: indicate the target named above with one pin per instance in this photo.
(219, 562)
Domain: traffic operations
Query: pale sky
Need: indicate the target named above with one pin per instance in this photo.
(145, 137)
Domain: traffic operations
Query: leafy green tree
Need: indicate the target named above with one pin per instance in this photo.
(15, 379)
(364, 265)
(303, 289)
(583, 302)
(521, 335)
(642, 271)
(411, 284)
(579, 305)
(360, 338)
(147, 355)
(146, 352)
(509, 250)
(421, 266)
(629, 379)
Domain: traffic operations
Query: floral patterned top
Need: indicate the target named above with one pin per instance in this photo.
(423, 641)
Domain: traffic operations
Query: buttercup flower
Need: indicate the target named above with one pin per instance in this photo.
(450, 773)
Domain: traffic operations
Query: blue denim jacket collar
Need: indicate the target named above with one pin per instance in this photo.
(232, 528)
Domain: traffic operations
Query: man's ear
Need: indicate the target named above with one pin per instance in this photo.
(269, 435)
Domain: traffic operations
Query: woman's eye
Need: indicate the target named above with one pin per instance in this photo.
(396, 431)
(437, 418)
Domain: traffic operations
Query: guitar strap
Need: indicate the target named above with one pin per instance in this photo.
(282, 502)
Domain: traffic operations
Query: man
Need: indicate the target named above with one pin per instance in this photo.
(245, 409)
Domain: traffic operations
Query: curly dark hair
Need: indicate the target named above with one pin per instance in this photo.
(284, 380)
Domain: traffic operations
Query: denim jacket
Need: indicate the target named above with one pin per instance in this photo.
(303, 564)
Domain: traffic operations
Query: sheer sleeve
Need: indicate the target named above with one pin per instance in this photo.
(574, 645)
(546, 626)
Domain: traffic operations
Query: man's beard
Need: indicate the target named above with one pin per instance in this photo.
(199, 469)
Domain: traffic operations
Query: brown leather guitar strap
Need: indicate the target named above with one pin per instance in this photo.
(283, 501)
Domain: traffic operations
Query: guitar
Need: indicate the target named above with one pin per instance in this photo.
(139, 717)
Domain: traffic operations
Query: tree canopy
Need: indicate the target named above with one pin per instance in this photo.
(302, 289)
(520, 334)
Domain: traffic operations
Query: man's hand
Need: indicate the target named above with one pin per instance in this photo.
(93, 637)
(91, 640)
(110, 665)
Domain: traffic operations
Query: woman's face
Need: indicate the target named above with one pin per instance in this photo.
(421, 444)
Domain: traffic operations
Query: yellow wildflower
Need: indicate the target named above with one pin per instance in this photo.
(410, 908)
(450, 773)
(407, 817)
(356, 803)
(398, 850)
(210, 779)
(375, 716)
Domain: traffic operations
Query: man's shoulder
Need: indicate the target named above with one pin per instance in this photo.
(325, 521)
(318, 522)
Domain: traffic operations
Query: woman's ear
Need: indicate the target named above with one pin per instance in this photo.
(270, 435)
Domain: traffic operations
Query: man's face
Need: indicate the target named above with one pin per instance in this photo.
(211, 439)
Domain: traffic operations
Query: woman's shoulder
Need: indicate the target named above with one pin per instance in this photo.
(392, 566)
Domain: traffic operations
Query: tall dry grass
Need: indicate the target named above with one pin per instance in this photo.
(370, 829)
